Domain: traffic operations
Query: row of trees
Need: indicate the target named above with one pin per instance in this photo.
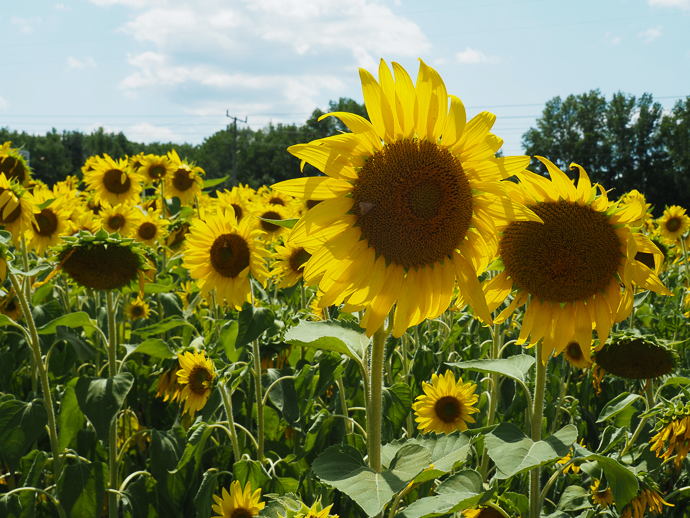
(624, 143)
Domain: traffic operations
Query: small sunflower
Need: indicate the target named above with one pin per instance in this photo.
(13, 164)
(632, 356)
(185, 182)
(235, 200)
(137, 309)
(315, 511)
(446, 405)
(177, 235)
(239, 503)
(289, 263)
(112, 181)
(51, 222)
(602, 497)
(151, 228)
(222, 253)
(196, 375)
(123, 218)
(155, 168)
(674, 223)
(169, 387)
(572, 467)
(272, 197)
(17, 208)
(275, 212)
(10, 306)
(674, 427)
(573, 353)
(482, 512)
(570, 269)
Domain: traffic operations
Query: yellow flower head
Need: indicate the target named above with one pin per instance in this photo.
(122, 218)
(673, 434)
(51, 222)
(271, 231)
(185, 181)
(602, 497)
(573, 353)
(155, 168)
(673, 224)
(289, 263)
(239, 503)
(168, 385)
(113, 182)
(137, 309)
(196, 375)
(411, 202)
(17, 208)
(13, 164)
(151, 228)
(10, 306)
(233, 199)
(446, 405)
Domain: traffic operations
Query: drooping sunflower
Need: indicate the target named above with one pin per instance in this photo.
(185, 181)
(122, 218)
(648, 497)
(411, 202)
(137, 309)
(196, 375)
(239, 503)
(51, 222)
(155, 168)
(602, 497)
(13, 164)
(151, 228)
(17, 208)
(289, 263)
(674, 223)
(169, 387)
(112, 181)
(573, 353)
(446, 405)
(222, 253)
(673, 428)
(633, 356)
(570, 269)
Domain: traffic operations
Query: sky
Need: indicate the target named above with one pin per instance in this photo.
(172, 70)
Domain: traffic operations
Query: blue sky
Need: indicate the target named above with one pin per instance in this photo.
(167, 70)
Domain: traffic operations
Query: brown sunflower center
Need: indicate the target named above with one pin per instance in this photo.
(241, 512)
(182, 180)
(574, 351)
(137, 311)
(238, 210)
(275, 200)
(297, 260)
(112, 180)
(11, 305)
(572, 256)
(313, 203)
(270, 227)
(198, 379)
(147, 230)
(13, 168)
(116, 221)
(156, 172)
(178, 235)
(102, 267)
(46, 223)
(448, 409)
(413, 202)
(229, 255)
(673, 224)
(12, 216)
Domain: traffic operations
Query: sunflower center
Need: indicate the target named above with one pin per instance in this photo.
(413, 202)
(47, 223)
(156, 172)
(275, 200)
(12, 215)
(238, 210)
(241, 512)
(147, 230)
(572, 256)
(182, 180)
(574, 350)
(297, 260)
(112, 180)
(229, 255)
(270, 227)
(116, 222)
(448, 409)
(673, 224)
(11, 305)
(137, 311)
(313, 203)
(198, 379)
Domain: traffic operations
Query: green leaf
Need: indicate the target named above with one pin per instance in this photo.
(212, 182)
(617, 405)
(252, 323)
(101, 399)
(251, 471)
(71, 418)
(79, 319)
(154, 347)
(285, 223)
(397, 402)
(136, 502)
(611, 436)
(166, 450)
(228, 339)
(31, 467)
(149, 287)
(574, 498)
(460, 491)
(10, 506)
(81, 489)
(204, 496)
(514, 452)
(85, 351)
(516, 367)
(20, 425)
(164, 325)
(331, 335)
(194, 447)
(7, 321)
(621, 480)
(343, 467)
(31, 273)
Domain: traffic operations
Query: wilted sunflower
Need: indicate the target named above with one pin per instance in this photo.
(168, 385)
(674, 427)
(446, 405)
(633, 356)
(155, 168)
(222, 253)
(674, 223)
(289, 263)
(137, 309)
(13, 164)
(411, 202)
(570, 269)
(573, 353)
(51, 222)
(196, 375)
(17, 208)
(648, 497)
(122, 218)
(238, 504)
(151, 228)
(185, 181)
(112, 181)
(603, 498)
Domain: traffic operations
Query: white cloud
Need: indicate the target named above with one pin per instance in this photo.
(682, 4)
(147, 133)
(3, 103)
(76, 64)
(473, 57)
(26, 25)
(650, 34)
(612, 40)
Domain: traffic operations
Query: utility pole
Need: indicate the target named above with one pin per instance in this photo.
(234, 145)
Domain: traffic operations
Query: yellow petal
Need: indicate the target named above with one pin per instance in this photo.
(380, 113)
(563, 183)
(406, 101)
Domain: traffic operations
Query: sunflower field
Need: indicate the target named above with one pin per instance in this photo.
(424, 330)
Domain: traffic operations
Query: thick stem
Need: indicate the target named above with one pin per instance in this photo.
(259, 402)
(537, 413)
(563, 391)
(375, 409)
(649, 399)
(495, 347)
(226, 395)
(112, 438)
(43, 375)
(406, 370)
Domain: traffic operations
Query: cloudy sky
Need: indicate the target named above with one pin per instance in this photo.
(169, 70)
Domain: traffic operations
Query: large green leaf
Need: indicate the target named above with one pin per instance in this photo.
(574, 498)
(154, 347)
(343, 467)
(617, 405)
(167, 447)
(20, 425)
(204, 496)
(516, 367)
(397, 402)
(81, 489)
(101, 399)
(78, 319)
(251, 471)
(332, 335)
(252, 323)
(164, 325)
(228, 339)
(212, 182)
(461, 491)
(514, 452)
(71, 418)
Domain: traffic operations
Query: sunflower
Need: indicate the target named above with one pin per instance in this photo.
(137, 309)
(674, 427)
(232, 199)
(647, 497)
(196, 375)
(569, 270)
(573, 353)
(482, 512)
(315, 511)
(10, 306)
(51, 223)
(13, 164)
(239, 503)
(633, 356)
(272, 197)
(221, 253)
(155, 168)
(168, 385)
(411, 202)
(177, 235)
(151, 228)
(571, 467)
(446, 404)
(122, 218)
(17, 208)
(112, 181)
(274, 212)
(185, 181)
(602, 497)
(289, 263)
(674, 223)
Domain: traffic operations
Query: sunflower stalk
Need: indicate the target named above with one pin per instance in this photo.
(375, 406)
(495, 354)
(226, 395)
(259, 402)
(537, 413)
(112, 439)
(343, 404)
(649, 400)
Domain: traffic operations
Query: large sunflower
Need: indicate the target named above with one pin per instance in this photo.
(411, 202)
(113, 181)
(221, 253)
(446, 405)
(196, 375)
(239, 503)
(569, 270)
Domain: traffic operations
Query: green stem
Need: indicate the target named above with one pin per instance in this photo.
(375, 409)
(55, 501)
(537, 413)
(495, 347)
(259, 402)
(564, 389)
(226, 395)
(649, 400)
(48, 398)
(112, 439)
(343, 403)
(406, 370)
